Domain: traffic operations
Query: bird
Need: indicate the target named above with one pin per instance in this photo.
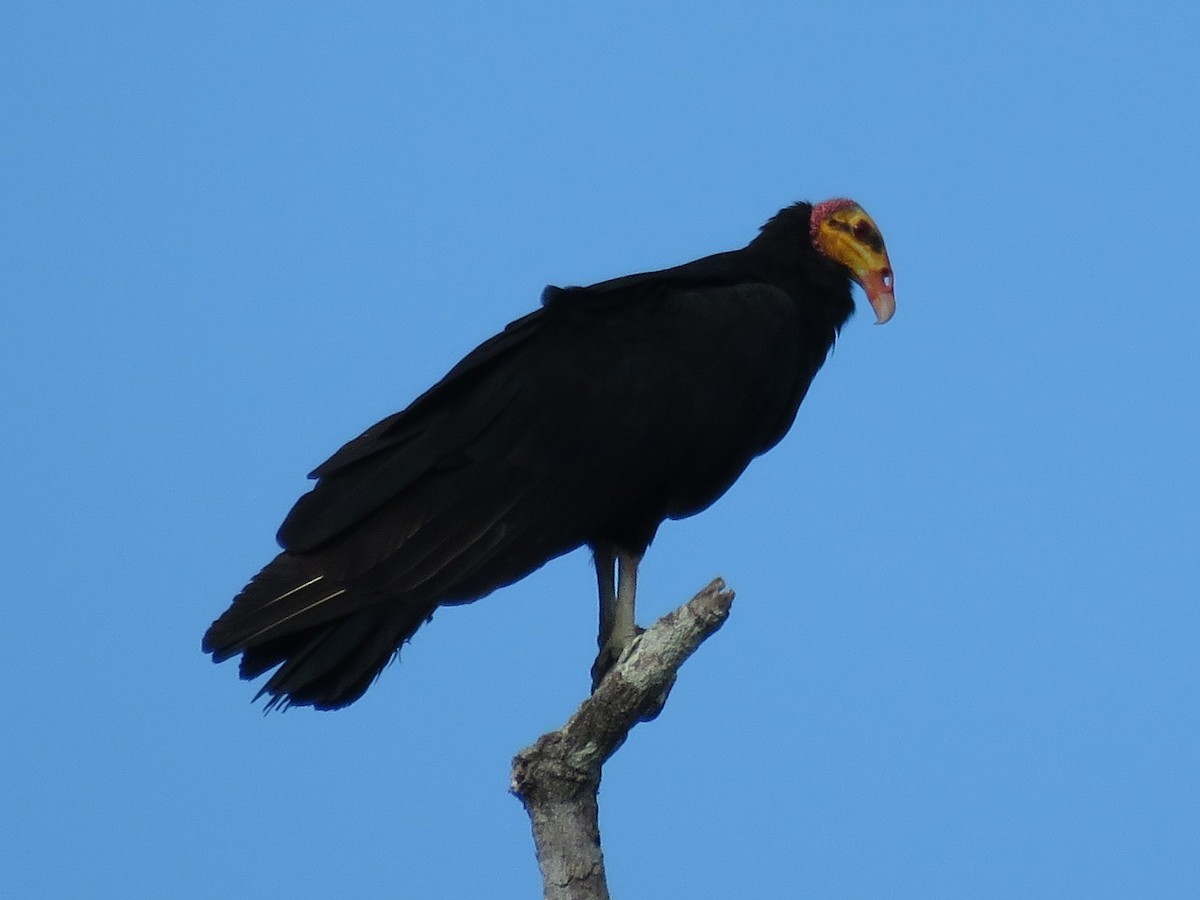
(590, 421)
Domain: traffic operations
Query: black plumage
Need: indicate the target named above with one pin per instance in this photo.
(589, 421)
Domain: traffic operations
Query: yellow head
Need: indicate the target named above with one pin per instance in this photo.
(843, 231)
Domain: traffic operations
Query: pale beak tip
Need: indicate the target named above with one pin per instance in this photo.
(884, 305)
(879, 287)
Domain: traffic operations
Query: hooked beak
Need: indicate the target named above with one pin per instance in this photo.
(842, 230)
(878, 285)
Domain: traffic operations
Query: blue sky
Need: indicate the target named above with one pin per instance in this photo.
(962, 661)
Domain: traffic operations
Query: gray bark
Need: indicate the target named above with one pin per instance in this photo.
(557, 779)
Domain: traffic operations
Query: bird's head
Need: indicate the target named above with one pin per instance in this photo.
(843, 231)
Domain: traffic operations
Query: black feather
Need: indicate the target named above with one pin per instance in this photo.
(591, 420)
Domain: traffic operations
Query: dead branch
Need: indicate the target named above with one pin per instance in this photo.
(557, 779)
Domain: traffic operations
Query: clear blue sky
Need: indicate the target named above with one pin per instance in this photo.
(963, 657)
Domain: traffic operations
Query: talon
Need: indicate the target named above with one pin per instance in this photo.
(612, 653)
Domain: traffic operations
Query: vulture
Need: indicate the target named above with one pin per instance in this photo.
(589, 421)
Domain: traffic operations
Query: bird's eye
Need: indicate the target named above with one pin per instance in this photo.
(861, 230)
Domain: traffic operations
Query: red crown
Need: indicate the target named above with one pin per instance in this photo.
(825, 209)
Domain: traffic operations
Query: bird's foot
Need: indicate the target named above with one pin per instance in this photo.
(610, 654)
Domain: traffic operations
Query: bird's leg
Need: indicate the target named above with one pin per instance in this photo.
(604, 558)
(625, 627)
(617, 625)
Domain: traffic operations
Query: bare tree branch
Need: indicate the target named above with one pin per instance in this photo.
(557, 779)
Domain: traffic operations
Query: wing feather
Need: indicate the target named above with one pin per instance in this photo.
(575, 424)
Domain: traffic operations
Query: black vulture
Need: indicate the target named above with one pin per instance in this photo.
(588, 421)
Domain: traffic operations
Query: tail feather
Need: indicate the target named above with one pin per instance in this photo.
(328, 640)
(290, 594)
(330, 661)
(337, 663)
(329, 621)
